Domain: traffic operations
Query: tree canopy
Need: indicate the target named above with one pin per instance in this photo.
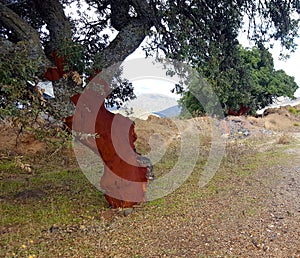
(249, 84)
(197, 32)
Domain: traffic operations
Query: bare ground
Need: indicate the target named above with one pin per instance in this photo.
(251, 208)
(256, 216)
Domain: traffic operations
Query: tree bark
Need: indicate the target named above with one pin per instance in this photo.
(57, 23)
(125, 43)
(20, 28)
(125, 178)
(132, 31)
(24, 32)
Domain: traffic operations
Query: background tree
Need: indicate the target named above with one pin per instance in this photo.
(250, 81)
(266, 83)
(192, 31)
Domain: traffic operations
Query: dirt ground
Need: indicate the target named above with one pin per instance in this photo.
(12, 140)
(250, 209)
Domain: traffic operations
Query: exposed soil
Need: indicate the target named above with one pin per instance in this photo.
(14, 140)
(255, 214)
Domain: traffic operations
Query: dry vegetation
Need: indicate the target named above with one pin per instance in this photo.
(249, 209)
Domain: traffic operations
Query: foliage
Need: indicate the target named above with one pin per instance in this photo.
(73, 54)
(96, 34)
(294, 111)
(250, 81)
(266, 83)
(16, 97)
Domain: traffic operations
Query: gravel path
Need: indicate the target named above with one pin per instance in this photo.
(274, 230)
(259, 216)
(284, 208)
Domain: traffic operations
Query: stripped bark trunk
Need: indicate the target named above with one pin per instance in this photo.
(131, 33)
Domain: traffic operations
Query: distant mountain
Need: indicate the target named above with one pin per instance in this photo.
(134, 113)
(169, 112)
(149, 104)
(152, 102)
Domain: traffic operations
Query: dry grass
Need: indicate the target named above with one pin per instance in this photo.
(286, 139)
(56, 212)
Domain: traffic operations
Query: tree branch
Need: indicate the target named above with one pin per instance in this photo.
(119, 13)
(125, 43)
(57, 23)
(23, 32)
(132, 31)
(21, 29)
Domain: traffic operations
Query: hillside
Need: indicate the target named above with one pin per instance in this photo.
(147, 104)
(250, 208)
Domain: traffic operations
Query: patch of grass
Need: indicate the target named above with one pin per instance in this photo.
(294, 111)
(60, 209)
(158, 202)
(12, 186)
(7, 165)
(250, 212)
(67, 198)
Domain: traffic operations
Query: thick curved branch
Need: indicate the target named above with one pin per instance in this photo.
(57, 23)
(120, 16)
(23, 32)
(132, 31)
(20, 28)
(144, 10)
(125, 43)
(119, 13)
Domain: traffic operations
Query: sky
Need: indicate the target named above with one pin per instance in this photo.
(291, 66)
(162, 86)
(148, 76)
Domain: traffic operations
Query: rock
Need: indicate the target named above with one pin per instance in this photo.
(128, 211)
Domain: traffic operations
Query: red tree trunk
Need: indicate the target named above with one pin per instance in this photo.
(124, 180)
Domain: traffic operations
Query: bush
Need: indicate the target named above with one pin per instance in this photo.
(17, 99)
(294, 111)
(285, 139)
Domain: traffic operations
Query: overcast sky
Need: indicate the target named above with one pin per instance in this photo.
(290, 66)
